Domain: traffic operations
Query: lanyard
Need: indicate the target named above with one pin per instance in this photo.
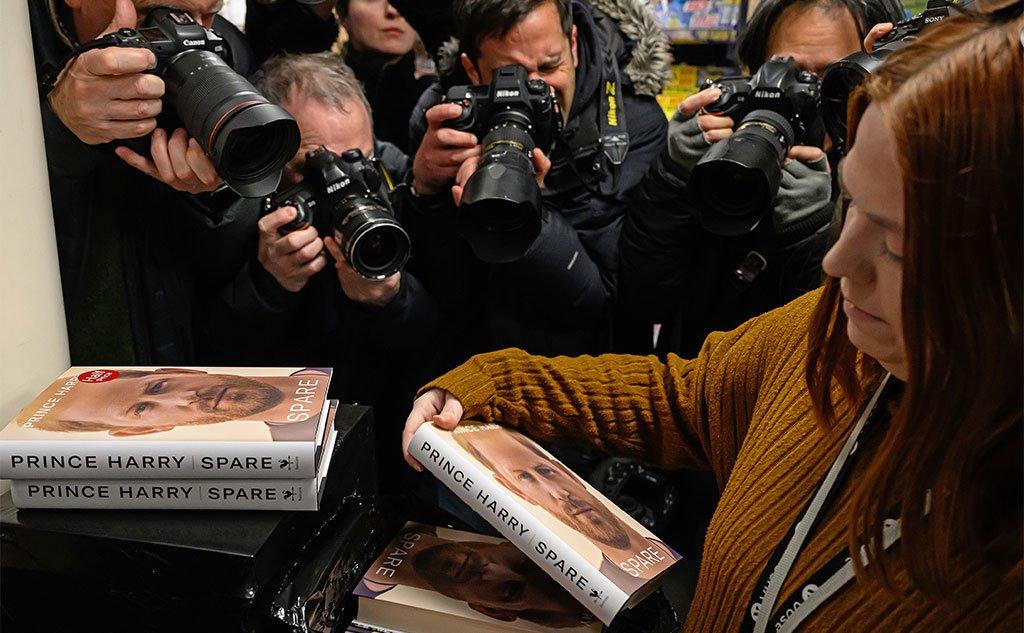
(839, 570)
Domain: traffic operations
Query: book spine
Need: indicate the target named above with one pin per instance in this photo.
(166, 494)
(509, 517)
(62, 459)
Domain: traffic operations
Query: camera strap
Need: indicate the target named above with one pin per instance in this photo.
(52, 72)
(838, 571)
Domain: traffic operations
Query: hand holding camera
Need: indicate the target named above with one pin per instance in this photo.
(291, 258)
(178, 162)
(371, 293)
(108, 94)
(443, 150)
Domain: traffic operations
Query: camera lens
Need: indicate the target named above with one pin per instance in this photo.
(248, 138)
(376, 246)
(841, 78)
(500, 212)
(735, 183)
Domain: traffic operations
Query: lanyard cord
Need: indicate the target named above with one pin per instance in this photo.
(766, 591)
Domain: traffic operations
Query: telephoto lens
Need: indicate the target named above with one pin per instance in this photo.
(734, 185)
(501, 201)
(248, 138)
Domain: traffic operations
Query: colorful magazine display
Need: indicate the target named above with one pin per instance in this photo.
(598, 553)
(439, 580)
(170, 423)
(689, 21)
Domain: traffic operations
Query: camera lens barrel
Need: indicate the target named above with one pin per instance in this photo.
(500, 214)
(734, 184)
(248, 138)
(376, 245)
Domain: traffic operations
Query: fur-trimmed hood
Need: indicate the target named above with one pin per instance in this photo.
(650, 61)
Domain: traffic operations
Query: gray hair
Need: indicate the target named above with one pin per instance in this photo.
(320, 76)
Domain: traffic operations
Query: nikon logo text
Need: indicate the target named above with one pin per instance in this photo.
(194, 42)
(506, 94)
(334, 186)
(766, 94)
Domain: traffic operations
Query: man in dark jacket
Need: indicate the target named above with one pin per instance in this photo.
(693, 281)
(555, 299)
(277, 299)
(124, 268)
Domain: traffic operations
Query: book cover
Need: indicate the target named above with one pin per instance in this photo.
(170, 423)
(176, 494)
(439, 580)
(597, 552)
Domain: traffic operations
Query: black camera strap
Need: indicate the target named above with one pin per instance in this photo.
(838, 571)
(52, 72)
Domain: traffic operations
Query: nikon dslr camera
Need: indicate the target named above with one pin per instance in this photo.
(735, 182)
(500, 213)
(347, 195)
(248, 138)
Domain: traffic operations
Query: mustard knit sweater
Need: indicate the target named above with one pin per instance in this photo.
(740, 409)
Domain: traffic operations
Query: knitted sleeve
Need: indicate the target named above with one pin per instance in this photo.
(680, 413)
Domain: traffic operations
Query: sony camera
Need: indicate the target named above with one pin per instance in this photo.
(843, 76)
(347, 195)
(248, 138)
(500, 214)
(734, 184)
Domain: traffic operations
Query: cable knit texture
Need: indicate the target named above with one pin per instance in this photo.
(740, 409)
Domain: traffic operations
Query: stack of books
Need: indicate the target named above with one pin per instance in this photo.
(570, 560)
(197, 438)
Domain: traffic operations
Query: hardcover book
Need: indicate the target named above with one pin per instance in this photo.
(598, 553)
(439, 580)
(170, 423)
(180, 494)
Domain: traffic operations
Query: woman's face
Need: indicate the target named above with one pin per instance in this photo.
(375, 25)
(868, 257)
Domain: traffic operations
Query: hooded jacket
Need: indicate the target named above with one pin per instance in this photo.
(557, 298)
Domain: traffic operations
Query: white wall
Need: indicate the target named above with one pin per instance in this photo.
(33, 335)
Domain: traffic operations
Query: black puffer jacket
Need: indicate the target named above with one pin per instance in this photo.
(557, 298)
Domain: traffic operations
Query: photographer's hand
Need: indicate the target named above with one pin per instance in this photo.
(541, 166)
(877, 32)
(806, 154)
(292, 258)
(178, 162)
(442, 152)
(714, 127)
(106, 94)
(367, 292)
(437, 406)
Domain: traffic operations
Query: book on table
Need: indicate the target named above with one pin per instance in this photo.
(440, 580)
(598, 553)
(171, 423)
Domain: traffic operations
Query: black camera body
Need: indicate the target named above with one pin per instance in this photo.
(734, 184)
(348, 195)
(843, 76)
(248, 138)
(500, 213)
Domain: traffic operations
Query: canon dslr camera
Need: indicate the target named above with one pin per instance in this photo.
(734, 184)
(347, 195)
(500, 214)
(248, 138)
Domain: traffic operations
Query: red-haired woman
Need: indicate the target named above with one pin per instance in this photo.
(911, 353)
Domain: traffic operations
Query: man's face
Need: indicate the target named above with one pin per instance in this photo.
(813, 36)
(336, 129)
(551, 486)
(166, 398)
(500, 581)
(92, 17)
(538, 44)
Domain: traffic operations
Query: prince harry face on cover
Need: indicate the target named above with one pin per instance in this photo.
(138, 402)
